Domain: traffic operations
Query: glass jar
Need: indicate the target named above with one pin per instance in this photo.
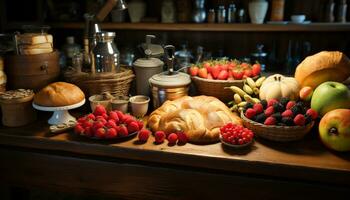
(105, 53)
(231, 13)
(221, 14)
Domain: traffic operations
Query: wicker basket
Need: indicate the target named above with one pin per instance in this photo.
(216, 88)
(277, 133)
(116, 83)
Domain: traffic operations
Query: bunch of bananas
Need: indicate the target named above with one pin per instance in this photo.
(249, 94)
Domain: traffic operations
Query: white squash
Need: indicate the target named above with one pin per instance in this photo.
(277, 86)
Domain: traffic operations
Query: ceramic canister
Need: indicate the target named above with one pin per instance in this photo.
(257, 11)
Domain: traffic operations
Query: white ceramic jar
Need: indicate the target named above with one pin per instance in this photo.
(257, 11)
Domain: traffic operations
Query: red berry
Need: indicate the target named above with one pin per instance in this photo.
(140, 123)
(120, 115)
(88, 131)
(133, 127)
(182, 137)
(97, 125)
(172, 138)
(270, 121)
(144, 135)
(312, 113)
(122, 131)
(215, 71)
(88, 123)
(250, 113)
(111, 124)
(113, 115)
(269, 111)
(111, 133)
(159, 137)
(99, 110)
(128, 119)
(100, 133)
(105, 116)
(287, 113)
(101, 119)
(290, 104)
(78, 129)
(91, 116)
(258, 107)
(256, 69)
(193, 71)
(271, 102)
(299, 120)
(81, 120)
(223, 75)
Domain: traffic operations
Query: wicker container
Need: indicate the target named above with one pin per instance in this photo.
(115, 83)
(277, 133)
(216, 88)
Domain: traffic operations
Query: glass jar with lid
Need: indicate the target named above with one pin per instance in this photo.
(105, 53)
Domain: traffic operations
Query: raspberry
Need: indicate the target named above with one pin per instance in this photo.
(250, 113)
(312, 113)
(159, 137)
(270, 121)
(264, 103)
(299, 120)
(99, 110)
(100, 133)
(133, 127)
(269, 111)
(258, 107)
(144, 135)
(111, 133)
(290, 104)
(271, 102)
(236, 134)
(287, 113)
(122, 131)
(287, 121)
(172, 138)
(182, 137)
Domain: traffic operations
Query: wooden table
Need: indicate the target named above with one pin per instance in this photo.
(32, 157)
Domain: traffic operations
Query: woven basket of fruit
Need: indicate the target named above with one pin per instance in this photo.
(211, 77)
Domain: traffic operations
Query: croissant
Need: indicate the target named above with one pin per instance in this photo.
(199, 117)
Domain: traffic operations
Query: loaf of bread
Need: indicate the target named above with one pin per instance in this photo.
(59, 94)
(34, 38)
(199, 117)
(34, 43)
(321, 67)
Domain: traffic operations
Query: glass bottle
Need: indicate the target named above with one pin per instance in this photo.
(329, 13)
(211, 15)
(231, 13)
(277, 10)
(105, 53)
(70, 49)
(341, 14)
(199, 13)
(221, 14)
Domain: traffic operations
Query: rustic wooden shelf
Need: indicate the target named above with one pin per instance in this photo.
(313, 27)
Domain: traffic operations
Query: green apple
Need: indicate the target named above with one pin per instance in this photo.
(329, 96)
(334, 129)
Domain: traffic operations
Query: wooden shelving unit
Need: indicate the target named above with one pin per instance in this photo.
(312, 27)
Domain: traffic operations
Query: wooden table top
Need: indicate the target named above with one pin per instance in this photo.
(306, 160)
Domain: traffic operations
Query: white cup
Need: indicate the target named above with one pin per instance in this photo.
(139, 105)
(298, 18)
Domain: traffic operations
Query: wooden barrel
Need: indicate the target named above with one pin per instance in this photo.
(32, 71)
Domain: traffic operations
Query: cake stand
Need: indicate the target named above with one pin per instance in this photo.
(61, 114)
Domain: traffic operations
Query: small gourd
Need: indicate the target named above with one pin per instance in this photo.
(277, 86)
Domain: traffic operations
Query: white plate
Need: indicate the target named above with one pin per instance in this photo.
(276, 22)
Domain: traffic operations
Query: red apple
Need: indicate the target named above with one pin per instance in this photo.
(334, 129)
(305, 93)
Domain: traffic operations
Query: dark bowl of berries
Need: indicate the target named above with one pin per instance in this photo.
(236, 136)
(280, 120)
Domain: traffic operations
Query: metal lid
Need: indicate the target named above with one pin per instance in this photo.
(259, 51)
(105, 36)
(148, 62)
(164, 80)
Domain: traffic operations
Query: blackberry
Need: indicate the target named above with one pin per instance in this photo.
(296, 110)
(308, 119)
(288, 121)
(284, 101)
(277, 116)
(260, 118)
(301, 106)
(248, 105)
(278, 107)
(264, 103)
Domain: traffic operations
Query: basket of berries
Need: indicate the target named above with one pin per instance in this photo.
(280, 121)
(211, 77)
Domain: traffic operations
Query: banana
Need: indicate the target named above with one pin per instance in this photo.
(259, 82)
(237, 98)
(242, 104)
(250, 99)
(248, 89)
(237, 90)
(251, 82)
(256, 100)
(256, 91)
(234, 108)
(240, 109)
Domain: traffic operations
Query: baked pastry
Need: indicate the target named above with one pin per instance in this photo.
(199, 117)
(59, 94)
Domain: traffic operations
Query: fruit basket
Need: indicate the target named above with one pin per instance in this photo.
(277, 133)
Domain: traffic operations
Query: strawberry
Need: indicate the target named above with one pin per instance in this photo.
(91, 116)
(215, 71)
(270, 121)
(182, 137)
(111, 133)
(159, 137)
(223, 75)
(193, 71)
(207, 66)
(78, 129)
(258, 107)
(128, 119)
(111, 124)
(248, 73)
(99, 110)
(238, 75)
(101, 119)
(100, 133)
(88, 123)
(144, 135)
(120, 115)
(299, 120)
(290, 104)
(256, 69)
(250, 113)
(287, 113)
(140, 123)
(97, 125)
(133, 127)
(105, 116)
(122, 131)
(312, 113)
(172, 138)
(203, 73)
(210, 77)
(88, 131)
(81, 120)
(271, 102)
(245, 65)
(269, 111)
(224, 66)
(114, 116)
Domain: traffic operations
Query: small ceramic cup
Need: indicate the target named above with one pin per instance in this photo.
(120, 103)
(99, 100)
(139, 105)
(298, 18)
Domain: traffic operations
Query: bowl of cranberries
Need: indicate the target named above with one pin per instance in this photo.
(236, 136)
(279, 120)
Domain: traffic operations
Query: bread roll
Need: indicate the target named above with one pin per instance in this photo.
(199, 117)
(59, 94)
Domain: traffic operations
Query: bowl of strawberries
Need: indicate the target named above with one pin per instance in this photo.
(280, 120)
(211, 77)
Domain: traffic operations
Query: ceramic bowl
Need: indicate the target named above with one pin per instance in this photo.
(120, 103)
(99, 100)
(139, 105)
(298, 18)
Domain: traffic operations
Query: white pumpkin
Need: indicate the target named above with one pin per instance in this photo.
(277, 86)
